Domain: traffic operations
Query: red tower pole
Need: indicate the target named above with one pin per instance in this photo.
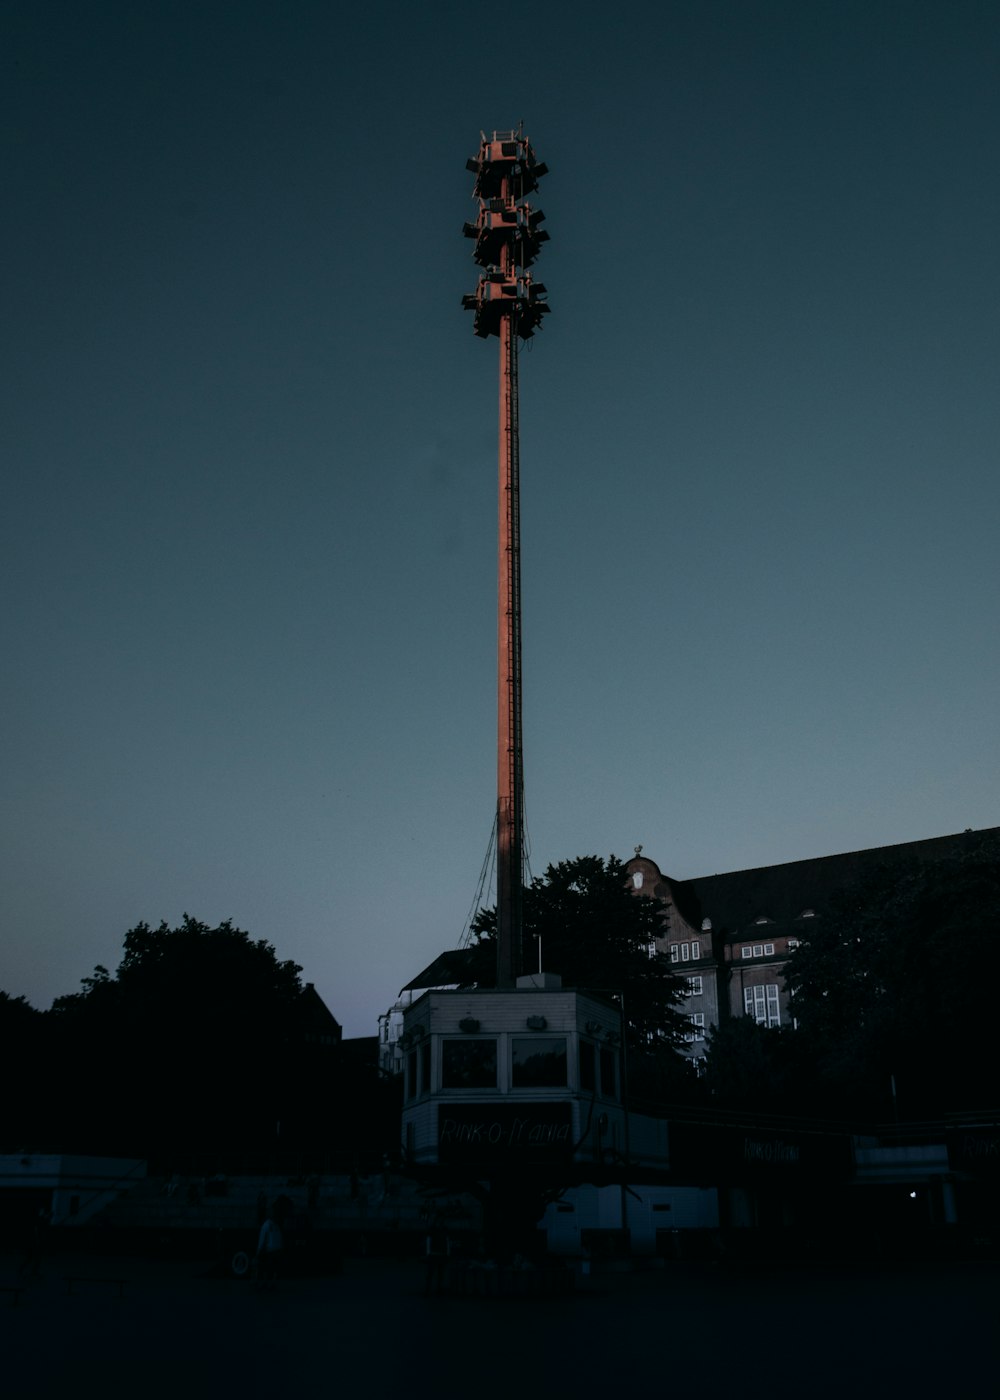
(510, 781)
(508, 305)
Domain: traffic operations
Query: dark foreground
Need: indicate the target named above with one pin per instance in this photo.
(692, 1330)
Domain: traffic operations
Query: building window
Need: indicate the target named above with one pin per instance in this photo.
(695, 950)
(694, 988)
(411, 1075)
(769, 950)
(793, 943)
(588, 1067)
(424, 1060)
(746, 952)
(685, 952)
(674, 953)
(609, 1075)
(697, 1031)
(469, 1063)
(762, 1004)
(538, 1062)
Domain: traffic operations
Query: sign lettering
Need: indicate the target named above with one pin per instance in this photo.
(497, 1132)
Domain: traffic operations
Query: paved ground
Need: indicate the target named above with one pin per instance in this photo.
(696, 1331)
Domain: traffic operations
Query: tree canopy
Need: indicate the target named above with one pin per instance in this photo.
(766, 1069)
(895, 986)
(187, 1042)
(598, 934)
(202, 1042)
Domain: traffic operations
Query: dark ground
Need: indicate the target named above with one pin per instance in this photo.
(692, 1330)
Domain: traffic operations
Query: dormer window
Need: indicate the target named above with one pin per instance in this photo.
(637, 880)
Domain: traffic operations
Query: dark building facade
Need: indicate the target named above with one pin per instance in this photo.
(730, 935)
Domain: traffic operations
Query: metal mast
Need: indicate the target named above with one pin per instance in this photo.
(509, 305)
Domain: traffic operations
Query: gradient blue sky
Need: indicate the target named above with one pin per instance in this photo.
(248, 536)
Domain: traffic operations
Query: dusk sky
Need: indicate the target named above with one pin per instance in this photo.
(249, 451)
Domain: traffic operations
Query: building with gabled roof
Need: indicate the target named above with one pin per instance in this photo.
(730, 935)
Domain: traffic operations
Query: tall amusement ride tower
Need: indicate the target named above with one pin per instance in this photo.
(509, 305)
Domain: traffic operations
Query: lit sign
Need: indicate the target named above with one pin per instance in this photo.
(725, 1153)
(518, 1132)
(975, 1150)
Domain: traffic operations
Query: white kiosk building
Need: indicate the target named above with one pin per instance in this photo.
(527, 1079)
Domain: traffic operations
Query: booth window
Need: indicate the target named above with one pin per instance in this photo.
(469, 1063)
(538, 1062)
(588, 1067)
(609, 1082)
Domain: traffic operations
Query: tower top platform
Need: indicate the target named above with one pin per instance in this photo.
(501, 156)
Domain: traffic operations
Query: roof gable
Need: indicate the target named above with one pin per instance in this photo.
(799, 889)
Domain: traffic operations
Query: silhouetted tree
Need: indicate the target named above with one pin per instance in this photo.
(195, 1045)
(202, 1047)
(897, 984)
(767, 1069)
(23, 1056)
(597, 934)
(17, 1017)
